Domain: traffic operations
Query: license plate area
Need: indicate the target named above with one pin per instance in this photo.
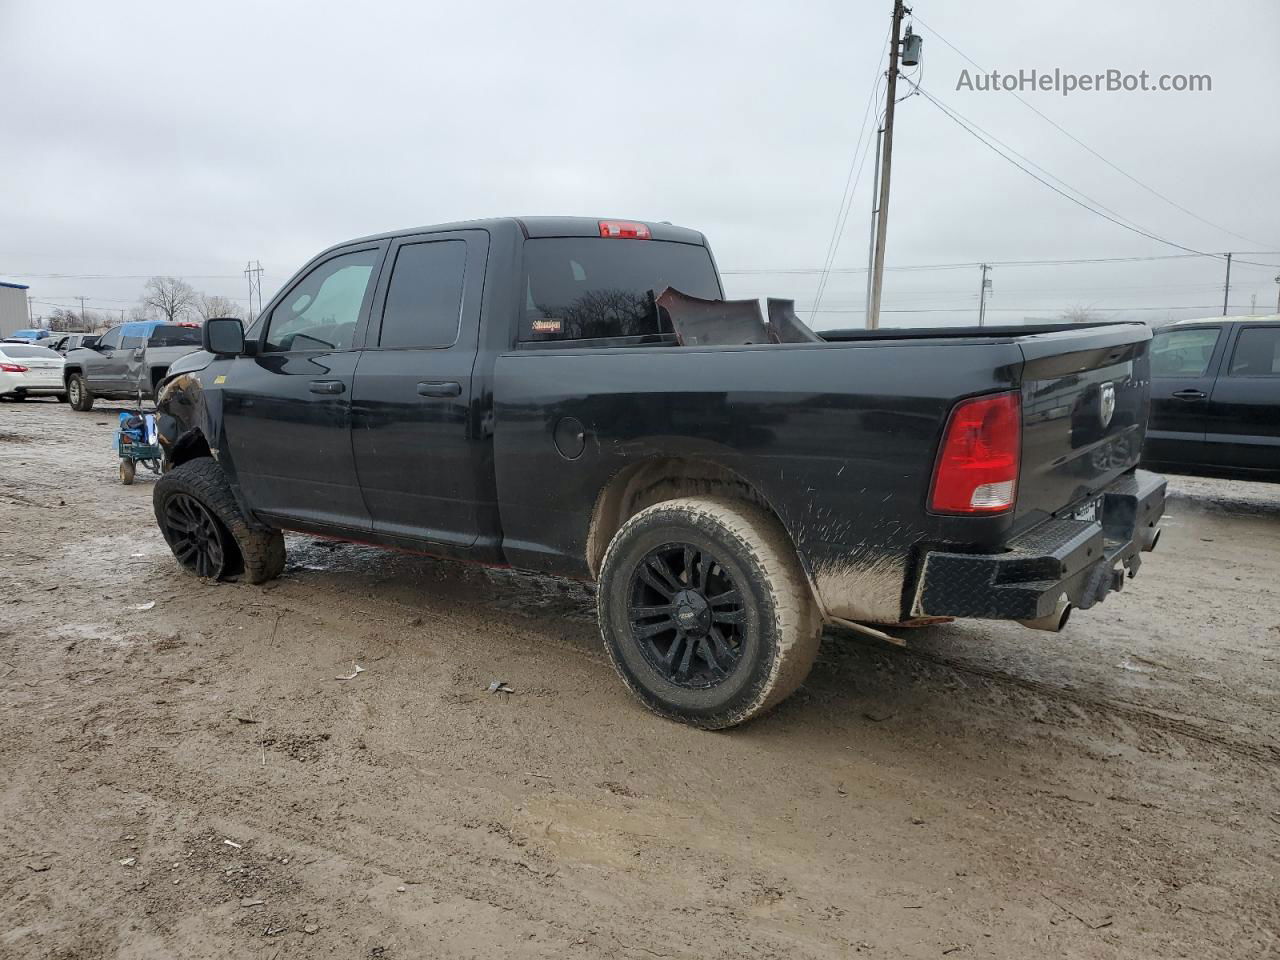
(1091, 511)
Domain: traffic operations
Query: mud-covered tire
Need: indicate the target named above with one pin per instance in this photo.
(253, 554)
(128, 471)
(777, 625)
(78, 394)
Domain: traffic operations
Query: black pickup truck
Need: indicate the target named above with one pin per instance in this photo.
(1215, 398)
(514, 391)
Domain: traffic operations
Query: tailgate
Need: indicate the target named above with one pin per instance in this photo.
(1085, 395)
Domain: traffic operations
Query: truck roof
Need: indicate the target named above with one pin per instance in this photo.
(540, 227)
(1211, 320)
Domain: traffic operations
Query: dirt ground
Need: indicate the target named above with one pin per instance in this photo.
(191, 780)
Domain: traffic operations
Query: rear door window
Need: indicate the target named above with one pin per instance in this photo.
(321, 310)
(1257, 353)
(584, 288)
(173, 335)
(1183, 353)
(424, 297)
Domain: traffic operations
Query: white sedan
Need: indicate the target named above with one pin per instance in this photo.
(29, 370)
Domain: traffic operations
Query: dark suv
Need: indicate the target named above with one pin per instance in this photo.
(1215, 397)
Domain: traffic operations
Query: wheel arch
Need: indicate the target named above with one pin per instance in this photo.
(661, 478)
(189, 446)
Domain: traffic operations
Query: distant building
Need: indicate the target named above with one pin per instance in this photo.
(13, 308)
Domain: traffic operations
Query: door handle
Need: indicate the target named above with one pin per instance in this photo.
(439, 388)
(1190, 394)
(326, 386)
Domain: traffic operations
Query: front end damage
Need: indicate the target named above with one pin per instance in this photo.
(184, 422)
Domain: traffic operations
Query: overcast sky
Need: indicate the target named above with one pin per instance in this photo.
(173, 138)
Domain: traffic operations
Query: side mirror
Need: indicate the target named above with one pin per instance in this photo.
(223, 336)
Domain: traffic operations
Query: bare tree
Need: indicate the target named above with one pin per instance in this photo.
(170, 297)
(63, 320)
(1079, 314)
(66, 320)
(207, 307)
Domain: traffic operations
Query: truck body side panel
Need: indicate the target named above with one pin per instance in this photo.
(838, 439)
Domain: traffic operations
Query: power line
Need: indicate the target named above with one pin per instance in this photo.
(846, 196)
(1062, 261)
(123, 276)
(1152, 190)
(966, 126)
(968, 308)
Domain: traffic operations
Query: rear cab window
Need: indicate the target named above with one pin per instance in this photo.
(174, 335)
(1183, 353)
(590, 288)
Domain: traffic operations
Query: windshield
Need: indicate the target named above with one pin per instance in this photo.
(15, 350)
(172, 335)
(579, 288)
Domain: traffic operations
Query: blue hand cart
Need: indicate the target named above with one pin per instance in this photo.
(137, 443)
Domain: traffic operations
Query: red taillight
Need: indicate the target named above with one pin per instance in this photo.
(624, 228)
(12, 368)
(977, 469)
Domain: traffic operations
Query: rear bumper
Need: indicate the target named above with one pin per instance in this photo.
(33, 388)
(1063, 561)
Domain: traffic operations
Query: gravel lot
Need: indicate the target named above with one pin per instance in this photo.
(192, 781)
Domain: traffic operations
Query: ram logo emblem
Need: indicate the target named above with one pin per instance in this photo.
(1107, 405)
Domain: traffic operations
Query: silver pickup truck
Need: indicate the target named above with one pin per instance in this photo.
(127, 362)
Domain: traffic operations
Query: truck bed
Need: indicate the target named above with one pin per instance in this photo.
(838, 438)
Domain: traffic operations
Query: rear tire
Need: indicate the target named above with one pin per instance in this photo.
(127, 471)
(182, 497)
(78, 394)
(705, 611)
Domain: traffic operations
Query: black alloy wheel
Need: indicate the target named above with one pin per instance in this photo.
(687, 615)
(705, 611)
(194, 535)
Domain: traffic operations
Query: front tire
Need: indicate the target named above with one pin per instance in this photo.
(128, 470)
(78, 394)
(705, 611)
(207, 532)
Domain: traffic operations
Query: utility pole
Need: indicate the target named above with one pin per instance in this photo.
(882, 216)
(982, 295)
(1253, 304)
(1226, 292)
(83, 322)
(253, 270)
(1278, 293)
(871, 243)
